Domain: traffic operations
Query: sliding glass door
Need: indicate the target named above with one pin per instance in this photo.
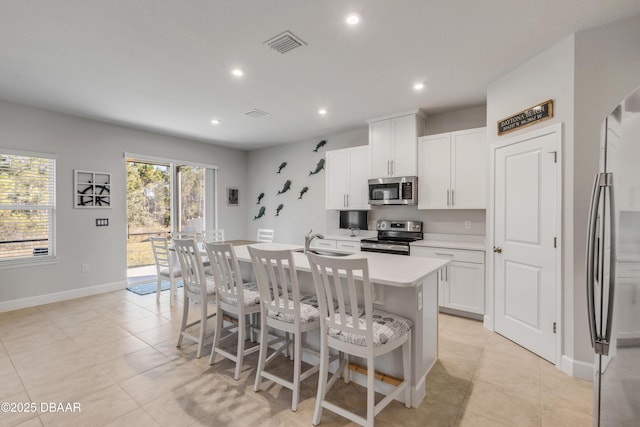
(164, 197)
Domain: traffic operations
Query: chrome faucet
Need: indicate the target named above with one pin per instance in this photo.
(308, 238)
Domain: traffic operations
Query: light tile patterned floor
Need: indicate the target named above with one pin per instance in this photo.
(115, 354)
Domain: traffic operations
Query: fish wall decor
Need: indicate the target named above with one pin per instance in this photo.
(260, 196)
(260, 213)
(304, 190)
(319, 167)
(282, 166)
(287, 186)
(279, 208)
(320, 145)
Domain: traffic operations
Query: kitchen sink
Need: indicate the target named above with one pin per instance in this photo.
(323, 252)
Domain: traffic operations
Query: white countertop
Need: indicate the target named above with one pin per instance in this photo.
(386, 269)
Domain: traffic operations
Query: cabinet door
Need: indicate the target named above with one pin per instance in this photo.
(434, 157)
(464, 287)
(469, 169)
(358, 188)
(337, 168)
(405, 144)
(380, 144)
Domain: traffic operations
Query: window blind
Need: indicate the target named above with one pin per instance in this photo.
(27, 207)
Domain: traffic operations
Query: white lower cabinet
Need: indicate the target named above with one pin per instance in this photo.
(461, 283)
(343, 245)
(628, 297)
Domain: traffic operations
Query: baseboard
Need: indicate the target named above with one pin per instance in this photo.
(578, 369)
(17, 304)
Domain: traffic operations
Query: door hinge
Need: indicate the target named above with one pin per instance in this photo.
(555, 156)
(554, 327)
(555, 242)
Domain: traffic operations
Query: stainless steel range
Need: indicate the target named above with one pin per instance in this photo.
(393, 237)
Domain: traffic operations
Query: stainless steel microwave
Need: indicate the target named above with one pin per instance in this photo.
(402, 190)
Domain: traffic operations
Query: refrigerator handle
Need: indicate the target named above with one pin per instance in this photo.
(591, 261)
(612, 263)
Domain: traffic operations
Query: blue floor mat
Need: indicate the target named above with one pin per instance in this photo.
(151, 287)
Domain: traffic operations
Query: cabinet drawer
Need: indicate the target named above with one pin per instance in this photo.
(462, 255)
(348, 245)
(323, 243)
(628, 269)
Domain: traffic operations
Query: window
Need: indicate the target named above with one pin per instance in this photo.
(27, 207)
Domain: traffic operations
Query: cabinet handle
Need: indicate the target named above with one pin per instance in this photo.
(446, 270)
(447, 198)
(347, 199)
(443, 254)
(388, 167)
(452, 202)
(344, 200)
(392, 167)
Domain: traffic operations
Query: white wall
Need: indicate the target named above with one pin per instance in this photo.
(90, 145)
(298, 216)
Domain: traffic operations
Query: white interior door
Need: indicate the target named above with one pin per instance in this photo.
(525, 232)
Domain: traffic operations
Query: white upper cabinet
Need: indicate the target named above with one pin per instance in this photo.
(453, 169)
(393, 142)
(346, 179)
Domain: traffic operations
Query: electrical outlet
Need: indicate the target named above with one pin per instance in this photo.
(84, 268)
(467, 225)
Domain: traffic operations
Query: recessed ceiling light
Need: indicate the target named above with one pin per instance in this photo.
(322, 111)
(237, 72)
(418, 86)
(352, 19)
(215, 121)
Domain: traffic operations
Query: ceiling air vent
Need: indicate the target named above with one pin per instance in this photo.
(256, 114)
(285, 42)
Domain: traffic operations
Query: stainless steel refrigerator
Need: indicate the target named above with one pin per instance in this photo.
(613, 269)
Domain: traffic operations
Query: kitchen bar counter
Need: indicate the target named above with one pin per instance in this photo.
(404, 285)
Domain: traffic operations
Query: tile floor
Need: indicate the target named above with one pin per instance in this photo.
(115, 354)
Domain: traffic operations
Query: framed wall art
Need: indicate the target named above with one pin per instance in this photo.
(91, 189)
(232, 196)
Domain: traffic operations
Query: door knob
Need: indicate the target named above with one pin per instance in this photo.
(497, 249)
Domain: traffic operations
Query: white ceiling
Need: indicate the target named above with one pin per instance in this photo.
(164, 65)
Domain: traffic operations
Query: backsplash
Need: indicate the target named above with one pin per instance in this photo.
(435, 221)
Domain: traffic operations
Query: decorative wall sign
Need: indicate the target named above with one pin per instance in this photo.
(319, 167)
(304, 190)
(320, 145)
(279, 208)
(260, 213)
(282, 166)
(260, 196)
(91, 189)
(530, 116)
(232, 196)
(286, 187)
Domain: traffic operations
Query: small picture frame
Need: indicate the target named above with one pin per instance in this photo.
(92, 190)
(232, 196)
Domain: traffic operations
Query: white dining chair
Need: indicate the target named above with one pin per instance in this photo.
(198, 289)
(369, 335)
(283, 308)
(233, 297)
(265, 235)
(165, 267)
(212, 235)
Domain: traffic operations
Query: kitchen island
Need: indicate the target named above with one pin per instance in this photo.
(404, 285)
